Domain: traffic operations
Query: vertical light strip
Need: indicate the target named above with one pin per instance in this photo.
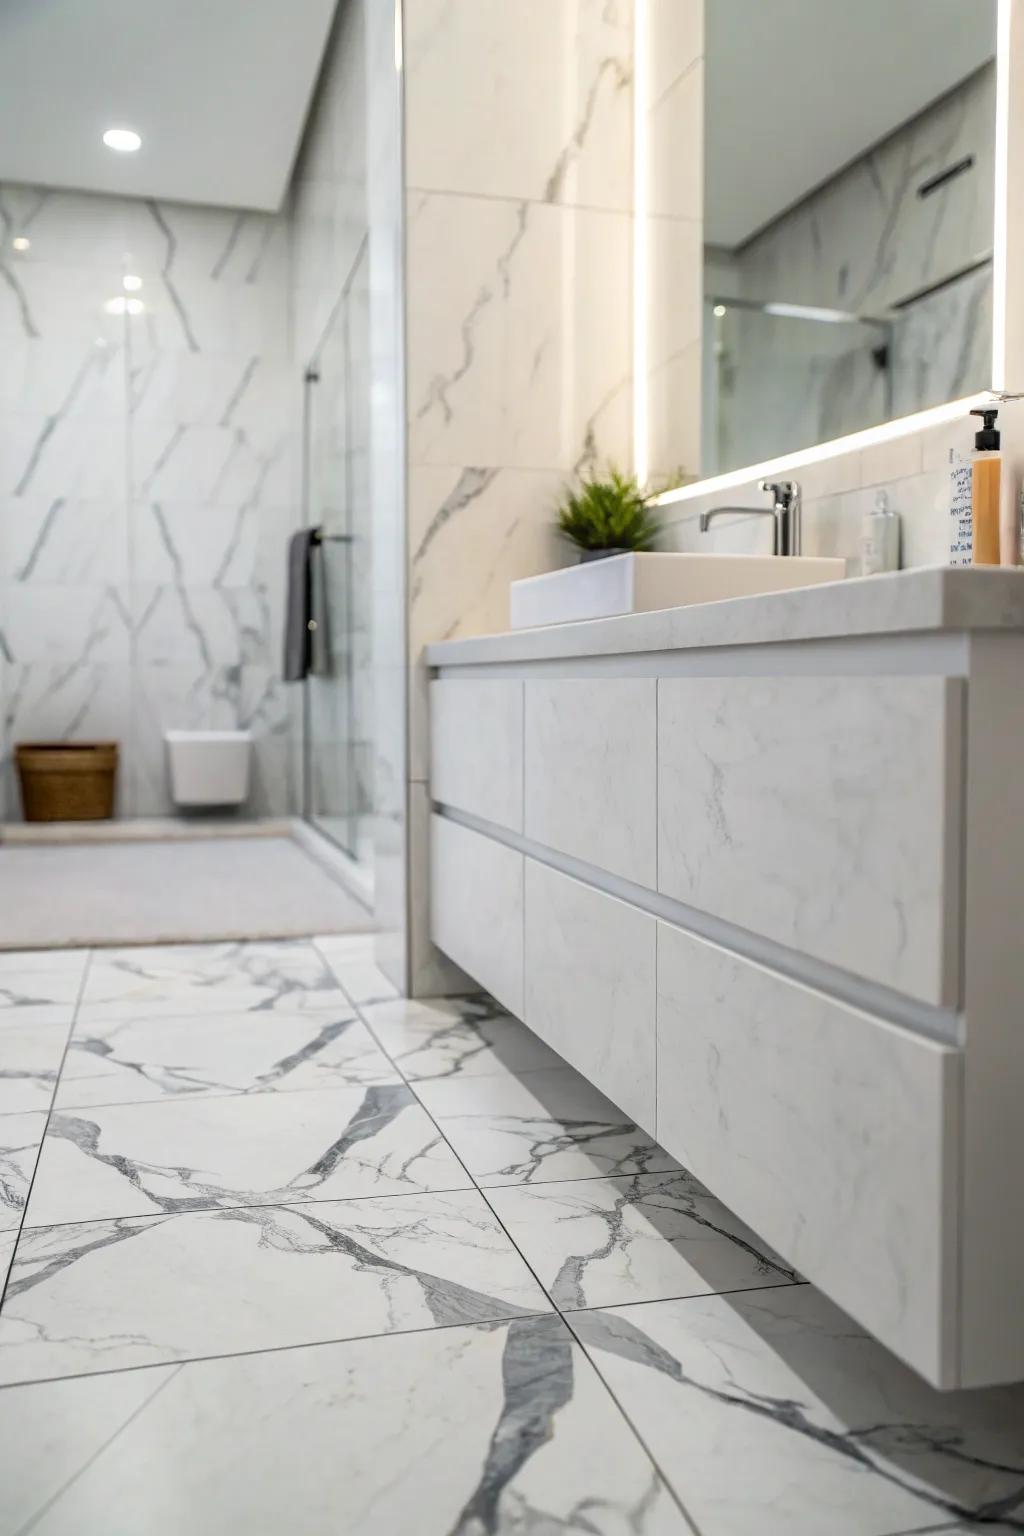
(1002, 196)
(641, 467)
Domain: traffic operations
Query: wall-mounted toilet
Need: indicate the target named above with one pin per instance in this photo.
(209, 768)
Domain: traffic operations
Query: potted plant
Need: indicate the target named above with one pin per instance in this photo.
(607, 517)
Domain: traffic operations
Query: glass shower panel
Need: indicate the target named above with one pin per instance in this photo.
(338, 787)
(782, 381)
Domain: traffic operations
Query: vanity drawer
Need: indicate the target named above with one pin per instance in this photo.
(476, 908)
(591, 771)
(833, 1134)
(590, 985)
(476, 748)
(821, 812)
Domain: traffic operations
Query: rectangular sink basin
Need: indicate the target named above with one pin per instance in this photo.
(601, 589)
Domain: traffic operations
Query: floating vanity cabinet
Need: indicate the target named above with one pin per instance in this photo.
(756, 869)
(821, 812)
(590, 990)
(840, 1130)
(476, 906)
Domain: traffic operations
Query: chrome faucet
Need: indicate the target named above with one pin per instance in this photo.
(785, 509)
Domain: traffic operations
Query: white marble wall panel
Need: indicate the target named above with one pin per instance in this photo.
(519, 351)
(561, 71)
(590, 986)
(798, 1111)
(769, 794)
(476, 908)
(591, 772)
(144, 467)
(476, 753)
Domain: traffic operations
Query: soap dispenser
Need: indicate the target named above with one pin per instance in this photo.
(880, 538)
(985, 479)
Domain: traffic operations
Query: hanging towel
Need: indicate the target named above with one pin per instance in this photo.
(320, 634)
(297, 633)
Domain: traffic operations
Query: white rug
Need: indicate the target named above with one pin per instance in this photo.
(168, 893)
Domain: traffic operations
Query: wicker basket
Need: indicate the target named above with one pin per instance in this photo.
(67, 780)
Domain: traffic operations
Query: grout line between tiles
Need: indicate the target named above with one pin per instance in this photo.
(697, 1529)
(254, 1205)
(49, 1115)
(279, 1349)
(33, 1520)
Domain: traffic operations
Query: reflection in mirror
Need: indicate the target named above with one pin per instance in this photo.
(848, 217)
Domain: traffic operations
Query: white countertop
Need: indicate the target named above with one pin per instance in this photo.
(934, 598)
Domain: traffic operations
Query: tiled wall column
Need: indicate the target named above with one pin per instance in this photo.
(520, 247)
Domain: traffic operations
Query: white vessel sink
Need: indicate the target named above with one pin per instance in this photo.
(639, 583)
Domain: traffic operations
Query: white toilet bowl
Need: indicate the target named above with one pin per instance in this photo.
(209, 767)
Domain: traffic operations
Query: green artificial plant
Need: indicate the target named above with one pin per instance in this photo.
(607, 514)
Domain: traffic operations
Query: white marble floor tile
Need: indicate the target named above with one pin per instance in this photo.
(38, 995)
(30, 1057)
(538, 1127)
(46, 961)
(176, 979)
(338, 947)
(20, 1136)
(129, 1061)
(362, 980)
(456, 1037)
(259, 1149)
(502, 1428)
(52, 1432)
(7, 1243)
(602, 1242)
(773, 1415)
(100, 1296)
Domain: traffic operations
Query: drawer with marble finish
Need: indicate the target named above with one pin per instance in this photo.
(815, 801)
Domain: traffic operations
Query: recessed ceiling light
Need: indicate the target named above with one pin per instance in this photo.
(123, 306)
(125, 140)
(131, 283)
(21, 242)
(719, 311)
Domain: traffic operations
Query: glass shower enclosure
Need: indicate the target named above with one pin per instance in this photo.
(337, 790)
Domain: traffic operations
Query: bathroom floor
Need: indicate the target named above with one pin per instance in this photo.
(297, 1255)
(168, 890)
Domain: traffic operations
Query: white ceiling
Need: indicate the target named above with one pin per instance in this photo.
(218, 90)
(796, 89)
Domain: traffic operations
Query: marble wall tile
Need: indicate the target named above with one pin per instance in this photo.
(571, 99)
(144, 463)
(518, 354)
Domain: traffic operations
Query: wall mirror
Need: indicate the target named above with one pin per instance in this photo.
(848, 217)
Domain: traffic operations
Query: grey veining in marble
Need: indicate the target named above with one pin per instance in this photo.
(772, 1413)
(108, 1294)
(602, 1242)
(496, 1428)
(128, 1061)
(263, 1149)
(20, 1138)
(30, 1057)
(209, 978)
(537, 1127)
(37, 996)
(456, 1037)
(933, 599)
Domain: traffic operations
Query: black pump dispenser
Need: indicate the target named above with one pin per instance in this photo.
(987, 439)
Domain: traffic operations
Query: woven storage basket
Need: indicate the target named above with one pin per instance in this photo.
(67, 780)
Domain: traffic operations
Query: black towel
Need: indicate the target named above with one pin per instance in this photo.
(297, 634)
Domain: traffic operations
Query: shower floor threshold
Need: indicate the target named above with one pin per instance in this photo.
(148, 829)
